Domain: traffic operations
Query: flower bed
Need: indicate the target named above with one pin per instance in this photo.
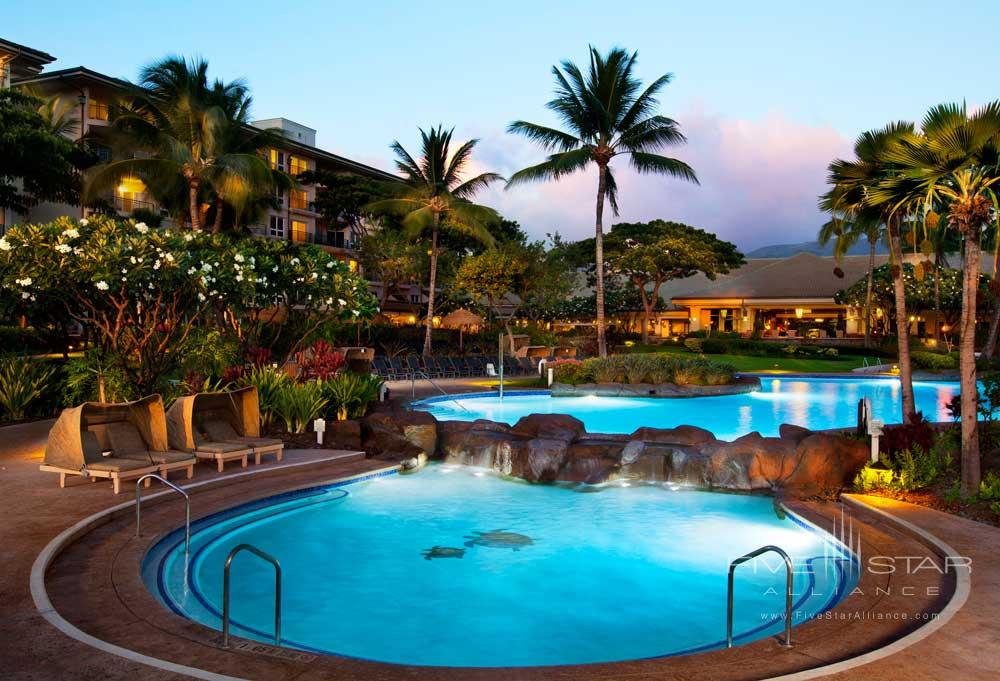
(653, 368)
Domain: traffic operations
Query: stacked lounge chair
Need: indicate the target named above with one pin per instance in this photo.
(220, 427)
(115, 441)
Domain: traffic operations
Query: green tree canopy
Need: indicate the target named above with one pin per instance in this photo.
(36, 163)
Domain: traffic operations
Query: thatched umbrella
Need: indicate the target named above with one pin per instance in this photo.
(461, 319)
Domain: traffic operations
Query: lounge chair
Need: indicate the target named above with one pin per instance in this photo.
(127, 443)
(240, 408)
(221, 430)
(74, 446)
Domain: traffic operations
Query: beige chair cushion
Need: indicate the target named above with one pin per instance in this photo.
(125, 439)
(220, 447)
(171, 456)
(91, 447)
(218, 429)
(113, 464)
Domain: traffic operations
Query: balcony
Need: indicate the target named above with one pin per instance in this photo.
(330, 239)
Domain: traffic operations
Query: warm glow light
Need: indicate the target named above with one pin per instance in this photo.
(799, 312)
(412, 319)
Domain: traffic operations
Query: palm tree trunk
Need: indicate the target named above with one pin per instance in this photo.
(902, 324)
(217, 225)
(868, 293)
(967, 368)
(430, 293)
(193, 204)
(991, 339)
(937, 303)
(602, 186)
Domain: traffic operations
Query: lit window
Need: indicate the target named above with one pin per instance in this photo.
(276, 227)
(277, 159)
(97, 110)
(352, 265)
(298, 199)
(299, 231)
(297, 165)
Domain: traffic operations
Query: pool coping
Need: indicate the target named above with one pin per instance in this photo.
(71, 534)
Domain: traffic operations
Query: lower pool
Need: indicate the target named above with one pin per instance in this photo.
(814, 403)
(453, 566)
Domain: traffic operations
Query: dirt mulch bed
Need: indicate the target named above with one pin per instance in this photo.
(939, 497)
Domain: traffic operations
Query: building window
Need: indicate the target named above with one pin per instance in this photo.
(300, 231)
(298, 199)
(277, 160)
(414, 298)
(276, 227)
(97, 110)
(296, 165)
(103, 152)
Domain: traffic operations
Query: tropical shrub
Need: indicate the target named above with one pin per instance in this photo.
(917, 433)
(319, 362)
(84, 376)
(270, 383)
(933, 361)
(298, 404)
(719, 374)
(694, 344)
(567, 371)
(348, 394)
(690, 373)
(654, 367)
(23, 384)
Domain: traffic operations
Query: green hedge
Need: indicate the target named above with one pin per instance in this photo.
(932, 361)
(644, 368)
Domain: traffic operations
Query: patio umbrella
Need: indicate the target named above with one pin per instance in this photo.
(460, 319)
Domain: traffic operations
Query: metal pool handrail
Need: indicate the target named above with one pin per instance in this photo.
(788, 592)
(187, 509)
(225, 591)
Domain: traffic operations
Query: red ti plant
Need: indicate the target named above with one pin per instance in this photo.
(319, 361)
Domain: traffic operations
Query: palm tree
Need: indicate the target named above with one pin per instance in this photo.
(845, 232)
(853, 185)
(954, 166)
(606, 115)
(434, 196)
(194, 137)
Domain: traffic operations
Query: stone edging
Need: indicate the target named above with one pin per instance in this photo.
(40, 596)
(60, 542)
(963, 586)
(742, 384)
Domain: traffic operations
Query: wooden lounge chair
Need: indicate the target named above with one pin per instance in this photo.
(221, 430)
(221, 452)
(127, 443)
(94, 465)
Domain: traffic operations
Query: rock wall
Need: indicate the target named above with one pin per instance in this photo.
(556, 447)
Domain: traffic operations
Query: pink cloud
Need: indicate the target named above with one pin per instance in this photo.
(759, 182)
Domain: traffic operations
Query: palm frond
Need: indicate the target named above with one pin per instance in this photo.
(547, 138)
(473, 185)
(646, 163)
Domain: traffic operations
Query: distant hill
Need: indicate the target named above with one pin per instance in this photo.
(787, 250)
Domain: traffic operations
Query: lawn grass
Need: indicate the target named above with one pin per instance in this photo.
(806, 365)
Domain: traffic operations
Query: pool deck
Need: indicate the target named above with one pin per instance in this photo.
(94, 584)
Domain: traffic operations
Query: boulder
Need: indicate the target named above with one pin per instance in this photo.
(550, 426)
(788, 431)
(824, 464)
(543, 461)
(343, 435)
(681, 435)
(418, 428)
(384, 440)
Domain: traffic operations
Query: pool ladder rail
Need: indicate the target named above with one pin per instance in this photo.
(187, 509)
(787, 643)
(225, 590)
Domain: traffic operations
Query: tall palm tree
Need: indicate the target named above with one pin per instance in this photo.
(606, 113)
(194, 137)
(954, 166)
(845, 232)
(853, 183)
(435, 196)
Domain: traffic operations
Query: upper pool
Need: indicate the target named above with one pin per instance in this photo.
(814, 403)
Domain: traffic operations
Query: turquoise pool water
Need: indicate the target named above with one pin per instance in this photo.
(815, 403)
(522, 574)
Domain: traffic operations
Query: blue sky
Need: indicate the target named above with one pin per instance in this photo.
(768, 93)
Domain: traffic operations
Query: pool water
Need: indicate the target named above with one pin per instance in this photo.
(453, 566)
(814, 403)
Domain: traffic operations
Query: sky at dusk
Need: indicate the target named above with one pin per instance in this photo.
(767, 92)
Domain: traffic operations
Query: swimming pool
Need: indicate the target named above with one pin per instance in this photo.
(814, 403)
(453, 566)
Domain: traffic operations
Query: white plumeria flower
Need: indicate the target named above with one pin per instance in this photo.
(25, 295)
(169, 257)
(239, 277)
(191, 270)
(141, 227)
(133, 260)
(64, 248)
(295, 261)
(71, 233)
(201, 297)
(274, 269)
(4, 244)
(188, 237)
(206, 267)
(341, 301)
(238, 257)
(84, 222)
(102, 285)
(24, 282)
(329, 265)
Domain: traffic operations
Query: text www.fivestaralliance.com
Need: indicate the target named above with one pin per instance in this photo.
(855, 616)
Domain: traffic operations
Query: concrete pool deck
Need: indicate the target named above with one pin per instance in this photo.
(94, 584)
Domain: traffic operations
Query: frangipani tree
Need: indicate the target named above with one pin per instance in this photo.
(142, 291)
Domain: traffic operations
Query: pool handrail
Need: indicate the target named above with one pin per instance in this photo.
(187, 509)
(225, 590)
(788, 592)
